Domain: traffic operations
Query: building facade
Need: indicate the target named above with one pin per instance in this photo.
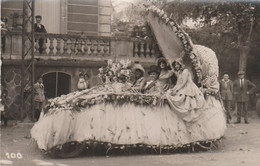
(93, 17)
(78, 39)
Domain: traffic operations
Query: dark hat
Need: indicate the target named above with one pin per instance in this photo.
(241, 73)
(154, 68)
(38, 16)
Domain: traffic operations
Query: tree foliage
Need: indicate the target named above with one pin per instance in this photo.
(224, 26)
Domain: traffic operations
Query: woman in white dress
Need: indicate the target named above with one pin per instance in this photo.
(185, 97)
(139, 80)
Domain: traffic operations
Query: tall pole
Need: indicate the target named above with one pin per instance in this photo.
(27, 64)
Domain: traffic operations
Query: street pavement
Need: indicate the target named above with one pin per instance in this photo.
(240, 146)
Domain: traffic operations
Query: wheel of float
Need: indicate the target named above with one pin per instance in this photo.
(68, 150)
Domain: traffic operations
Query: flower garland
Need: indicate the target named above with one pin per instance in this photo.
(211, 92)
(184, 38)
(117, 99)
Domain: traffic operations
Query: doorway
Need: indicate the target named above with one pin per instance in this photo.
(56, 84)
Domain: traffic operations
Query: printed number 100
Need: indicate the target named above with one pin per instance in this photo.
(14, 155)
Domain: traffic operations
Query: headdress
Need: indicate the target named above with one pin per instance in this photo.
(81, 74)
(179, 61)
(138, 66)
(162, 59)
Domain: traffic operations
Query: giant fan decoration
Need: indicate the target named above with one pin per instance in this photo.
(204, 61)
(184, 38)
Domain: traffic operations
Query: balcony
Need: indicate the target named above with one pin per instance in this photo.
(64, 47)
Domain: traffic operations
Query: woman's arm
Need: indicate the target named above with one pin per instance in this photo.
(142, 84)
(184, 75)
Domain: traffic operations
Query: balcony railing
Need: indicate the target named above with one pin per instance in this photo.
(64, 46)
(72, 45)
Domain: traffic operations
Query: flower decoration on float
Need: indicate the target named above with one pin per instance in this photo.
(111, 97)
(184, 37)
(118, 68)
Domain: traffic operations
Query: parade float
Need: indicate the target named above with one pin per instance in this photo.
(115, 116)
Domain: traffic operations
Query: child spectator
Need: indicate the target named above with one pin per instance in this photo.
(86, 77)
(82, 82)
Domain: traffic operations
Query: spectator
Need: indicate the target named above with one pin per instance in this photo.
(86, 77)
(82, 82)
(3, 107)
(39, 97)
(242, 89)
(226, 91)
(38, 27)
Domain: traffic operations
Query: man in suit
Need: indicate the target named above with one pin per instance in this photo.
(242, 89)
(38, 27)
(226, 91)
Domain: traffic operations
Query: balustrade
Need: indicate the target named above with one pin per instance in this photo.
(59, 46)
(143, 49)
(73, 45)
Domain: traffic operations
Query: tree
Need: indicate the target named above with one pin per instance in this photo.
(237, 19)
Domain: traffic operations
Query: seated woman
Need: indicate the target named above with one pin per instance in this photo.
(185, 98)
(139, 80)
(165, 74)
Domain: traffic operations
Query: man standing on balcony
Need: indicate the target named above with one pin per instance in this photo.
(38, 27)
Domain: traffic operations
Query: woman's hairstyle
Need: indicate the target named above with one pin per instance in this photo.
(81, 74)
(177, 62)
(163, 60)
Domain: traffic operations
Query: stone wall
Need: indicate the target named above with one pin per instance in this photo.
(11, 82)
